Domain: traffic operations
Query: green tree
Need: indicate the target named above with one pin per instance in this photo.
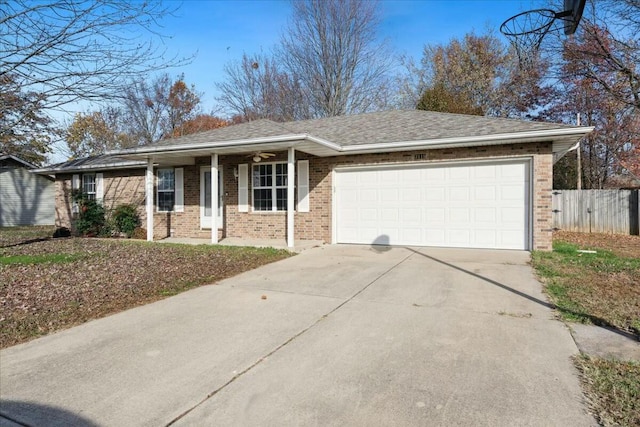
(96, 132)
(25, 129)
(438, 98)
(477, 74)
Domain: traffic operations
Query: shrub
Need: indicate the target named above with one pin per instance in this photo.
(126, 219)
(91, 219)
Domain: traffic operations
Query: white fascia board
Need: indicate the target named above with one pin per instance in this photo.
(542, 135)
(103, 166)
(204, 145)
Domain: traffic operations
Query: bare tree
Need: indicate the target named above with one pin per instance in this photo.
(331, 47)
(71, 50)
(256, 88)
(156, 109)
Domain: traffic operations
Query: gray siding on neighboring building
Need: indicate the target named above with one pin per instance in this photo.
(25, 198)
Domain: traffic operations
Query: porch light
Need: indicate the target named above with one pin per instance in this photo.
(257, 158)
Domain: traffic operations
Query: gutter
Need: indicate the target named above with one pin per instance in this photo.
(100, 167)
(540, 135)
(206, 145)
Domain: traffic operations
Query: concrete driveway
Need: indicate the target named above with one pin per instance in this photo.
(347, 335)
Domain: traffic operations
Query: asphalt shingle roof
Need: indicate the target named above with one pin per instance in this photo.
(410, 125)
(93, 162)
(258, 129)
(370, 128)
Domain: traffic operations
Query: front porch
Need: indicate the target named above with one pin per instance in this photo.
(298, 246)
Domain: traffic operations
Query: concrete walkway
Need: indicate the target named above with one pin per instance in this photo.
(606, 343)
(347, 335)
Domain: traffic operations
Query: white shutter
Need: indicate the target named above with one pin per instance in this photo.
(303, 186)
(179, 190)
(99, 187)
(75, 186)
(243, 188)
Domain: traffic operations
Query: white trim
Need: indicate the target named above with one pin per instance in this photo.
(436, 163)
(204, 223)
(529, 185)
(214, 198)
(133, 164)
(85, 177)
(303, 186)
(273, 187)
(158, 191)
(291, 174)
(148, 192)
(209, 144)
(178, 190)
(75, 186)
(540, 135)
(99, 187)
(512, 137)
(243, 187)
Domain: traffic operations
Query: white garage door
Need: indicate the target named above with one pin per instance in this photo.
(479, 205)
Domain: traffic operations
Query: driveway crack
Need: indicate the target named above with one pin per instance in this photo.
(275, 350)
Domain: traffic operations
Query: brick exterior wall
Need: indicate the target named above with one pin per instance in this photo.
(128, 187)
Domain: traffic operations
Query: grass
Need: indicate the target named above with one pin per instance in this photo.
(601, 288)
(51, 284)
(612, 388)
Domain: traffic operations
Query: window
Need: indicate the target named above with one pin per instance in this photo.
(166, 190)
(89, 186)
(270, 187)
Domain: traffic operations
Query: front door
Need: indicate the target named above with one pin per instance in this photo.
(205, 198)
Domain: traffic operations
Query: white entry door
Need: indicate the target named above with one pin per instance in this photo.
(205, 198)
(472, 205)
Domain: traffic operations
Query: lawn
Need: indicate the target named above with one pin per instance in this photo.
(602, 288)
(51, 284)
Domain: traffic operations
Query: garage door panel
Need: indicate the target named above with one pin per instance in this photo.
(434, 174)
(460, 173)
(390, 214)
(485, 215)
(482, 205)
(460, 215)
(485, 193)
(459, 194)
(410, 195)
(435, 194)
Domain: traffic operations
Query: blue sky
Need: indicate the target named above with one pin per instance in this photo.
(220, 31)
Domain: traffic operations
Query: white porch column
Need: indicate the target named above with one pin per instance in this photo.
(214, 198)
(148, 193)
(291, 173)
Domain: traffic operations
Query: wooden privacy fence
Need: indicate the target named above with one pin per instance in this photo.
(596, 211)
